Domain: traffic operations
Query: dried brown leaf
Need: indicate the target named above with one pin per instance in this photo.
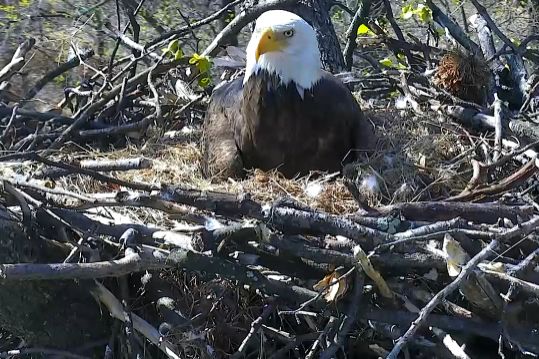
(333, 287)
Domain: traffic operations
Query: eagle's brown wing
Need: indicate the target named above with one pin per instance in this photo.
(221, 157)
(363, 139)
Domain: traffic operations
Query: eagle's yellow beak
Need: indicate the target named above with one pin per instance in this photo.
(269, 41)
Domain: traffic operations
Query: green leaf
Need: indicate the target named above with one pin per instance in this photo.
(201, 62)
(178, 55)
(387, 62)
(424, 13)
(204, 81)
(363, 29)
(407, 11)
(193, 60)
(173, 47)
(440, 31)
(230, 15)
(401, 66)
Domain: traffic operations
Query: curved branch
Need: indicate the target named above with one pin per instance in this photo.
(240, 21)
(351, 34)
(188, 28)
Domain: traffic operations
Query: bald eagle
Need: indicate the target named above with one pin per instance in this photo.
(286, 113)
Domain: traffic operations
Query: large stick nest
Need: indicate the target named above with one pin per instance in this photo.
(428, 248)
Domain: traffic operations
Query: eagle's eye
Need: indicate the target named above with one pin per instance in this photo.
(288, 33)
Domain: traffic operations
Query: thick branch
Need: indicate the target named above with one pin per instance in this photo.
(17, 61)
(132, 262)
(487, 212)
(454, 29)
(351, 34)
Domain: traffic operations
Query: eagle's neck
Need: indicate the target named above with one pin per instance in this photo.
(302, 71)
(268, 82)
(264, 93)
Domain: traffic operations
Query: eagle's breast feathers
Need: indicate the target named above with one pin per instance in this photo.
(275, 119)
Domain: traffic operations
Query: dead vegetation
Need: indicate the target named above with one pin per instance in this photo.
(428, 249)
(464, 76)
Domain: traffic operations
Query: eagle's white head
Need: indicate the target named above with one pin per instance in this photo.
(285, 44)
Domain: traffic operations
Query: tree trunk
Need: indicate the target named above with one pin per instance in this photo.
(56, 314)
(534, 17)
(316, 13)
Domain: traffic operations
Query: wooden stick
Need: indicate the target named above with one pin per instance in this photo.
(140, 78)
(130, 263)
(17, 61)
(486, 212)
(458, 34)
(351, 34)
(116, 310)
(96, 175)
(255, 327)
(478, 327)
(421, 319)
(505, 184)
(102, 165)
(60, 69)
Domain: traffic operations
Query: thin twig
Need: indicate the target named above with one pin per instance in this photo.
(7, 130)
(421, 319)
(174, 33)
(255, 327)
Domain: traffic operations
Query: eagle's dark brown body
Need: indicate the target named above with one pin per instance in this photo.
(264, 124)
